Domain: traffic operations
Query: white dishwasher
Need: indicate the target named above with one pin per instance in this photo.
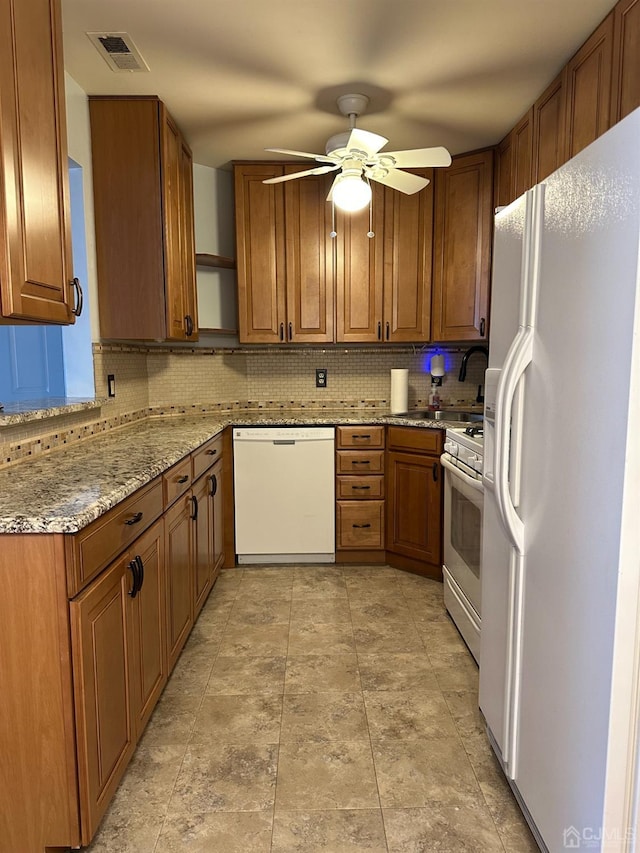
(284, 494)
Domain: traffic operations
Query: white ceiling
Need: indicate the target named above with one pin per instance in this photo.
(242, 75)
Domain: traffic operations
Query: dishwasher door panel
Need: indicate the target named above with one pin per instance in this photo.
(284, 495)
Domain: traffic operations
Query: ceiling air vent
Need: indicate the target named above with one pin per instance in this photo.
(118, 51)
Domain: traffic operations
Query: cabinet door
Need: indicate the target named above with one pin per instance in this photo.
(625, 86)
(177, 188)
(202, 542)
(462, 248)
(35, 244)
(549, 130)
(261, 254)
(414, 506)
(522, 163)
(359, 273)
(102, 647)
(178, 544)
(589, 89)
(309, 259)
(408, 244)
(503, 175)
(149, 660)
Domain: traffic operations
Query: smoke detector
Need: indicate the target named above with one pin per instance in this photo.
(118, 51)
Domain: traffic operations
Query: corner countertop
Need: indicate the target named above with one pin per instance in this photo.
(66, 490)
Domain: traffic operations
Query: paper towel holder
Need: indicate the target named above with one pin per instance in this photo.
(436, 369)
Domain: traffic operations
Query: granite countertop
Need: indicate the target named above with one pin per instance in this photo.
(66, 490)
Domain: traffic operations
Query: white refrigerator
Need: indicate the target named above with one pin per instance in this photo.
(560, 641)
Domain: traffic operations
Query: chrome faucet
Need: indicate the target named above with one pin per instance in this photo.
(463, 368)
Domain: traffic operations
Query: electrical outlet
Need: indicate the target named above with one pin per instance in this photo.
(321, 377)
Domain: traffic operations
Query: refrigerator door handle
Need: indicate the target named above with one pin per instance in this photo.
(517, 360)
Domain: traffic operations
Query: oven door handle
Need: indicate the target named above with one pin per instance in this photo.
(471, 481)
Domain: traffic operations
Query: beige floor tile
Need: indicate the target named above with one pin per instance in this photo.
(456, 671)
(335, 831)
(238, 719)
(317, 609)
(463, 706)
(127, 830)
(316, 638)
(268, 611)
(319, 587)
(489, 774)
(426, 609)
(387, 638)
(191, 672)
(408, 714)
(416, 778)
(237, 675)
(216, 611)
(446, 829)
(366, 589)
(403, 671)
(364, 612)
(512, 826)
(255, 640)
(226, 778)
(373, 570)
(322, 674)
(172, 721)
(329, 775)
(228, 579)
(151, 776)
(324, 717)
(216, 832)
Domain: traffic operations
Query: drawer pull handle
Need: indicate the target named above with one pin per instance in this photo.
(361, 525)
(434, 471)
(360, 487)
(214, 485)
(361, 462)
(134, 519)
(183, 479)
(211, 452)
(140, 565)
(134, 571)
(367, 435)
(194, 505)
(79, 298)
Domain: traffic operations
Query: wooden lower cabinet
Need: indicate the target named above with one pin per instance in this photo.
(120, 668)
(208, 545)
(414, 500)
(179, 553)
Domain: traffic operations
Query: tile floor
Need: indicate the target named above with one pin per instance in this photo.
(313, 709)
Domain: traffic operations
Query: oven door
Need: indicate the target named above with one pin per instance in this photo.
(463, 501)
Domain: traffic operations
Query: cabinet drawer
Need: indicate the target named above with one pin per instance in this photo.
(360, 461)
(360, 488)
(417, 440)
(204, 457)
(360, 524)
(102, 541)
(176, 481)
(360, 436)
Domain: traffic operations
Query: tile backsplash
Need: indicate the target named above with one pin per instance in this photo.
(161, 379)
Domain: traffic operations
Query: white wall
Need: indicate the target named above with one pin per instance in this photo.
(79, 145)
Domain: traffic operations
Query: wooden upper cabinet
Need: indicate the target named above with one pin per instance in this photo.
(143, 200)
(462, 248)
(588, 82)
(625, 86)
(514, 162)
(285, 256)
(359, 273)
(408, 245)
(309, 259)
(549, 129)
(260, 250)
(35, 246)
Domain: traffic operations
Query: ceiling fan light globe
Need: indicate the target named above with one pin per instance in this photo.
(350, 193)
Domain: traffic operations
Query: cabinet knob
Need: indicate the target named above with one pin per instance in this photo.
(79, 297)
(482, 327)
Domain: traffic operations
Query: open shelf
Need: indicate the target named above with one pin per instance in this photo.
(219, 261)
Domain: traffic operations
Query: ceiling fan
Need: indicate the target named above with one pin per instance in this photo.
(357, 154)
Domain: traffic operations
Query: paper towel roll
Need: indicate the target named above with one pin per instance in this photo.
(399, 390)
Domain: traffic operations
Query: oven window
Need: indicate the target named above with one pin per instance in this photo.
(466, 529)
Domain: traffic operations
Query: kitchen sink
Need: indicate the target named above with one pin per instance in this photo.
(443, 415)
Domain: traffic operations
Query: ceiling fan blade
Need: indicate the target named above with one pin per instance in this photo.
(403, 181)
(416, 157)
(330, 194)
(319, 170)
(364, 140)
(321, 158)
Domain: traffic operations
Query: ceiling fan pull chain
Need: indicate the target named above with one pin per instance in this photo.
(333, 233)
(370, 232)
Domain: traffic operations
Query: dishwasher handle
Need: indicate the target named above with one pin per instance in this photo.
(283, 441)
